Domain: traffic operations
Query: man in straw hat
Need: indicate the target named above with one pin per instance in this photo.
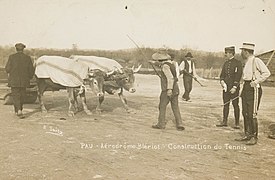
(169, 89)
(230, 81)
(254, 73)
(20, 70)
(187, 68)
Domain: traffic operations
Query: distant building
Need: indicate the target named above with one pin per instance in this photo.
(269, 59)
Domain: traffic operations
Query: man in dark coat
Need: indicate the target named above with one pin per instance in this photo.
(169, 89)
(230, 81)
(20, 70)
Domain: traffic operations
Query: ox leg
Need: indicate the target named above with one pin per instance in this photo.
(76, 104)
(100, 100)
(40, 93)
(41, 102)
(124, 101)
(84, 103)
(71, 101)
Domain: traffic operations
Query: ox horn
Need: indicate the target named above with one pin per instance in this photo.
(91, 73)
(137, 69)
(118, 69)
(110, 73)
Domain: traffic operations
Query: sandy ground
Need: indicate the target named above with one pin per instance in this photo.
(118, 145)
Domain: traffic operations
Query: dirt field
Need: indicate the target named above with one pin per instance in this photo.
(118, 145)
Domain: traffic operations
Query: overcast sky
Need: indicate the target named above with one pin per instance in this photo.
(208, 25)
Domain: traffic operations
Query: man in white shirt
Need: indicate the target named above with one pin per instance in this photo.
(187, 68)
(254, 73)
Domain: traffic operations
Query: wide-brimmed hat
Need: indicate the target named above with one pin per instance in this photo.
(189, 55)
(229, 49)
(20, 46)
(161, 56)
(248, 46)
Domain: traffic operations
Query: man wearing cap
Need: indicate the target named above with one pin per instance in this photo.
(169, 89)
(230, 81)
(20, 70)
(254, 73)
(187, 68)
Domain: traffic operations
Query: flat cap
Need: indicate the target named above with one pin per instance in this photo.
(20, 46)
(229, 49)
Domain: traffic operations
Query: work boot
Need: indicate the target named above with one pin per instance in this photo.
(244, 138)
(223, 124)
(271, 136)
(236, 127)
(252, 141)
(180, 128)
(20, 114)
(157, 127)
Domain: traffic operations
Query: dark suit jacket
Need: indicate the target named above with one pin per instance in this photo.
(231, 73)
(164, 82)
(20, 69)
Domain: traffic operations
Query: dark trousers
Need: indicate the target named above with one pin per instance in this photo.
(164, 101)
(18, 96)
(250, 101)
(227, 96)
(187, 83)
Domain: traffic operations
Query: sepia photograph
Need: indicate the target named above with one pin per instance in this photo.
(137, 89)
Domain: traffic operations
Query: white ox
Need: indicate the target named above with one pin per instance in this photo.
(54, 73)
(121, 78)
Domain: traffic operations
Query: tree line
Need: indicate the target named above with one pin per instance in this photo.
(126, 57)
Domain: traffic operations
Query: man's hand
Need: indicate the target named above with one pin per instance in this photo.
(152, 62)
(224, 86)
(232, 90)
(253, 84)
(156, 63)
(169, 92)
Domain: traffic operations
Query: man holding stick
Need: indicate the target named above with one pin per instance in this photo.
(169, 89)
(187, 68)
(230, 81)
(254, 73)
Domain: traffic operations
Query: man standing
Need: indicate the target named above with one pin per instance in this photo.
(187, 68)
(230, 81)
(254, 73)
(20, 70)
(169, 89)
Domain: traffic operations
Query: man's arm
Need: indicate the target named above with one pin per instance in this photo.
(264, 72)
(170, 78)
(181, 67)
(238, 74)
(30, 69)
(8, 65)
(222, 75)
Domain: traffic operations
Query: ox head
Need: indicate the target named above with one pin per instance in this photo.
(95, 79)
(125, 78)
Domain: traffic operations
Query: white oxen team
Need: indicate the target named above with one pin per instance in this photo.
(120, 78)
(55, 73)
